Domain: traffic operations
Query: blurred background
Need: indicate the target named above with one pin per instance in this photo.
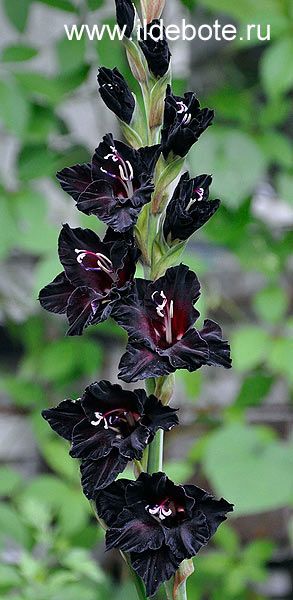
(236, 425)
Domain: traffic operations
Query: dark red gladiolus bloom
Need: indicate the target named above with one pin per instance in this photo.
(189, 208)
(156, 51)
(158, 523)
(184, 122)
(125, 15)
(116, 184)
(116, 93)
(96, 274)
(108, 427)
(159, 317)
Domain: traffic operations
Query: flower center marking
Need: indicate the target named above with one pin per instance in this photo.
(166, 508)
(197, 197)
(183, 110)
(165, 310)
(125, 168)
(112, 418)
(94, 261)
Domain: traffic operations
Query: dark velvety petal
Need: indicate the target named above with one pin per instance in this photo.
(140, 362)
(181, 286)
(103, 396)
(189, 537)
(149, 489)
(191, 352)
(80, 272)
(135, 531)
(75, 180)
(64, 417)
(134, 444)
(116, 93)
(98, 199)
(159, 416)
(131, 314)
(219, 349)
(79, 310)
(157, 53)
(125, 16)
(91, 441)
(214, 510)
(154, 567)
(121, 218)
(54, 296)
(98, 474)
(111, 501)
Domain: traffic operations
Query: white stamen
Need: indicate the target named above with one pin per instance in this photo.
(200, 192)
(130, 169)
(186, 119)
(183, 107)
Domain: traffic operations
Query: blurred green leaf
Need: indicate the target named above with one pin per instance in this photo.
(285, 187)
(18, 53)
(235, 160)
(179, 471)
(254, 473)
(271, 303)
(10, 481)
(79, 561)
(70, 54)
(9, 576)
(11, 526)
(36, 161)
(14, 107)
(276, 71)
(69, 358)
(17, 12)
(280, 357)
(65, 5)
(254, 389)
(250, 346)
(56, 455)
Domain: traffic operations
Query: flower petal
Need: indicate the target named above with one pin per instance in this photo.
(98, 474)
(79, 310)
(141, 362)
(64, 417)
(54, 296)
(219, 349)
(90, 441)
(134, 532)
(74, 180)
(189, 537)
(111, 501)
(154, 567)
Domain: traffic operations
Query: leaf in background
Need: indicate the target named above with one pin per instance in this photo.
(280, 357)
(65, 5)
(234, 159)
(69, 358)
(254, 473)
(18, 53)
(12, 527)
(276, 67)
(10, 481)
(95, 4)
(14, 107)
(55, 453)
(271, 303)
(79, 561)
(17, 12)
(70, 54)
(285, 188)
(23, 393)
(249, 11)
(36, 161)
(8, 227)
(9, 577)
(252, 392)
(250, 346)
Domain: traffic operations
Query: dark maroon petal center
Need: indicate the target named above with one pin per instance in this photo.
(120, 420)
(167, 509)
(169, 327)
(121, 171)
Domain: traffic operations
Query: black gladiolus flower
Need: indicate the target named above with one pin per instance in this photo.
(189, 208)
(159, 523)
(96, 274)
(159, 317)
(156, 50)
(125, 15)
(116, 184)
(107, 428)
(184, 122)
(116, 93)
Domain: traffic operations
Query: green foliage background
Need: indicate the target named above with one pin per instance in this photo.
(49, 542)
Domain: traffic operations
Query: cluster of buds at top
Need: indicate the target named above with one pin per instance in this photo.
(157, 523)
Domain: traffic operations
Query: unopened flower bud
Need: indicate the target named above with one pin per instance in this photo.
(152, 9)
